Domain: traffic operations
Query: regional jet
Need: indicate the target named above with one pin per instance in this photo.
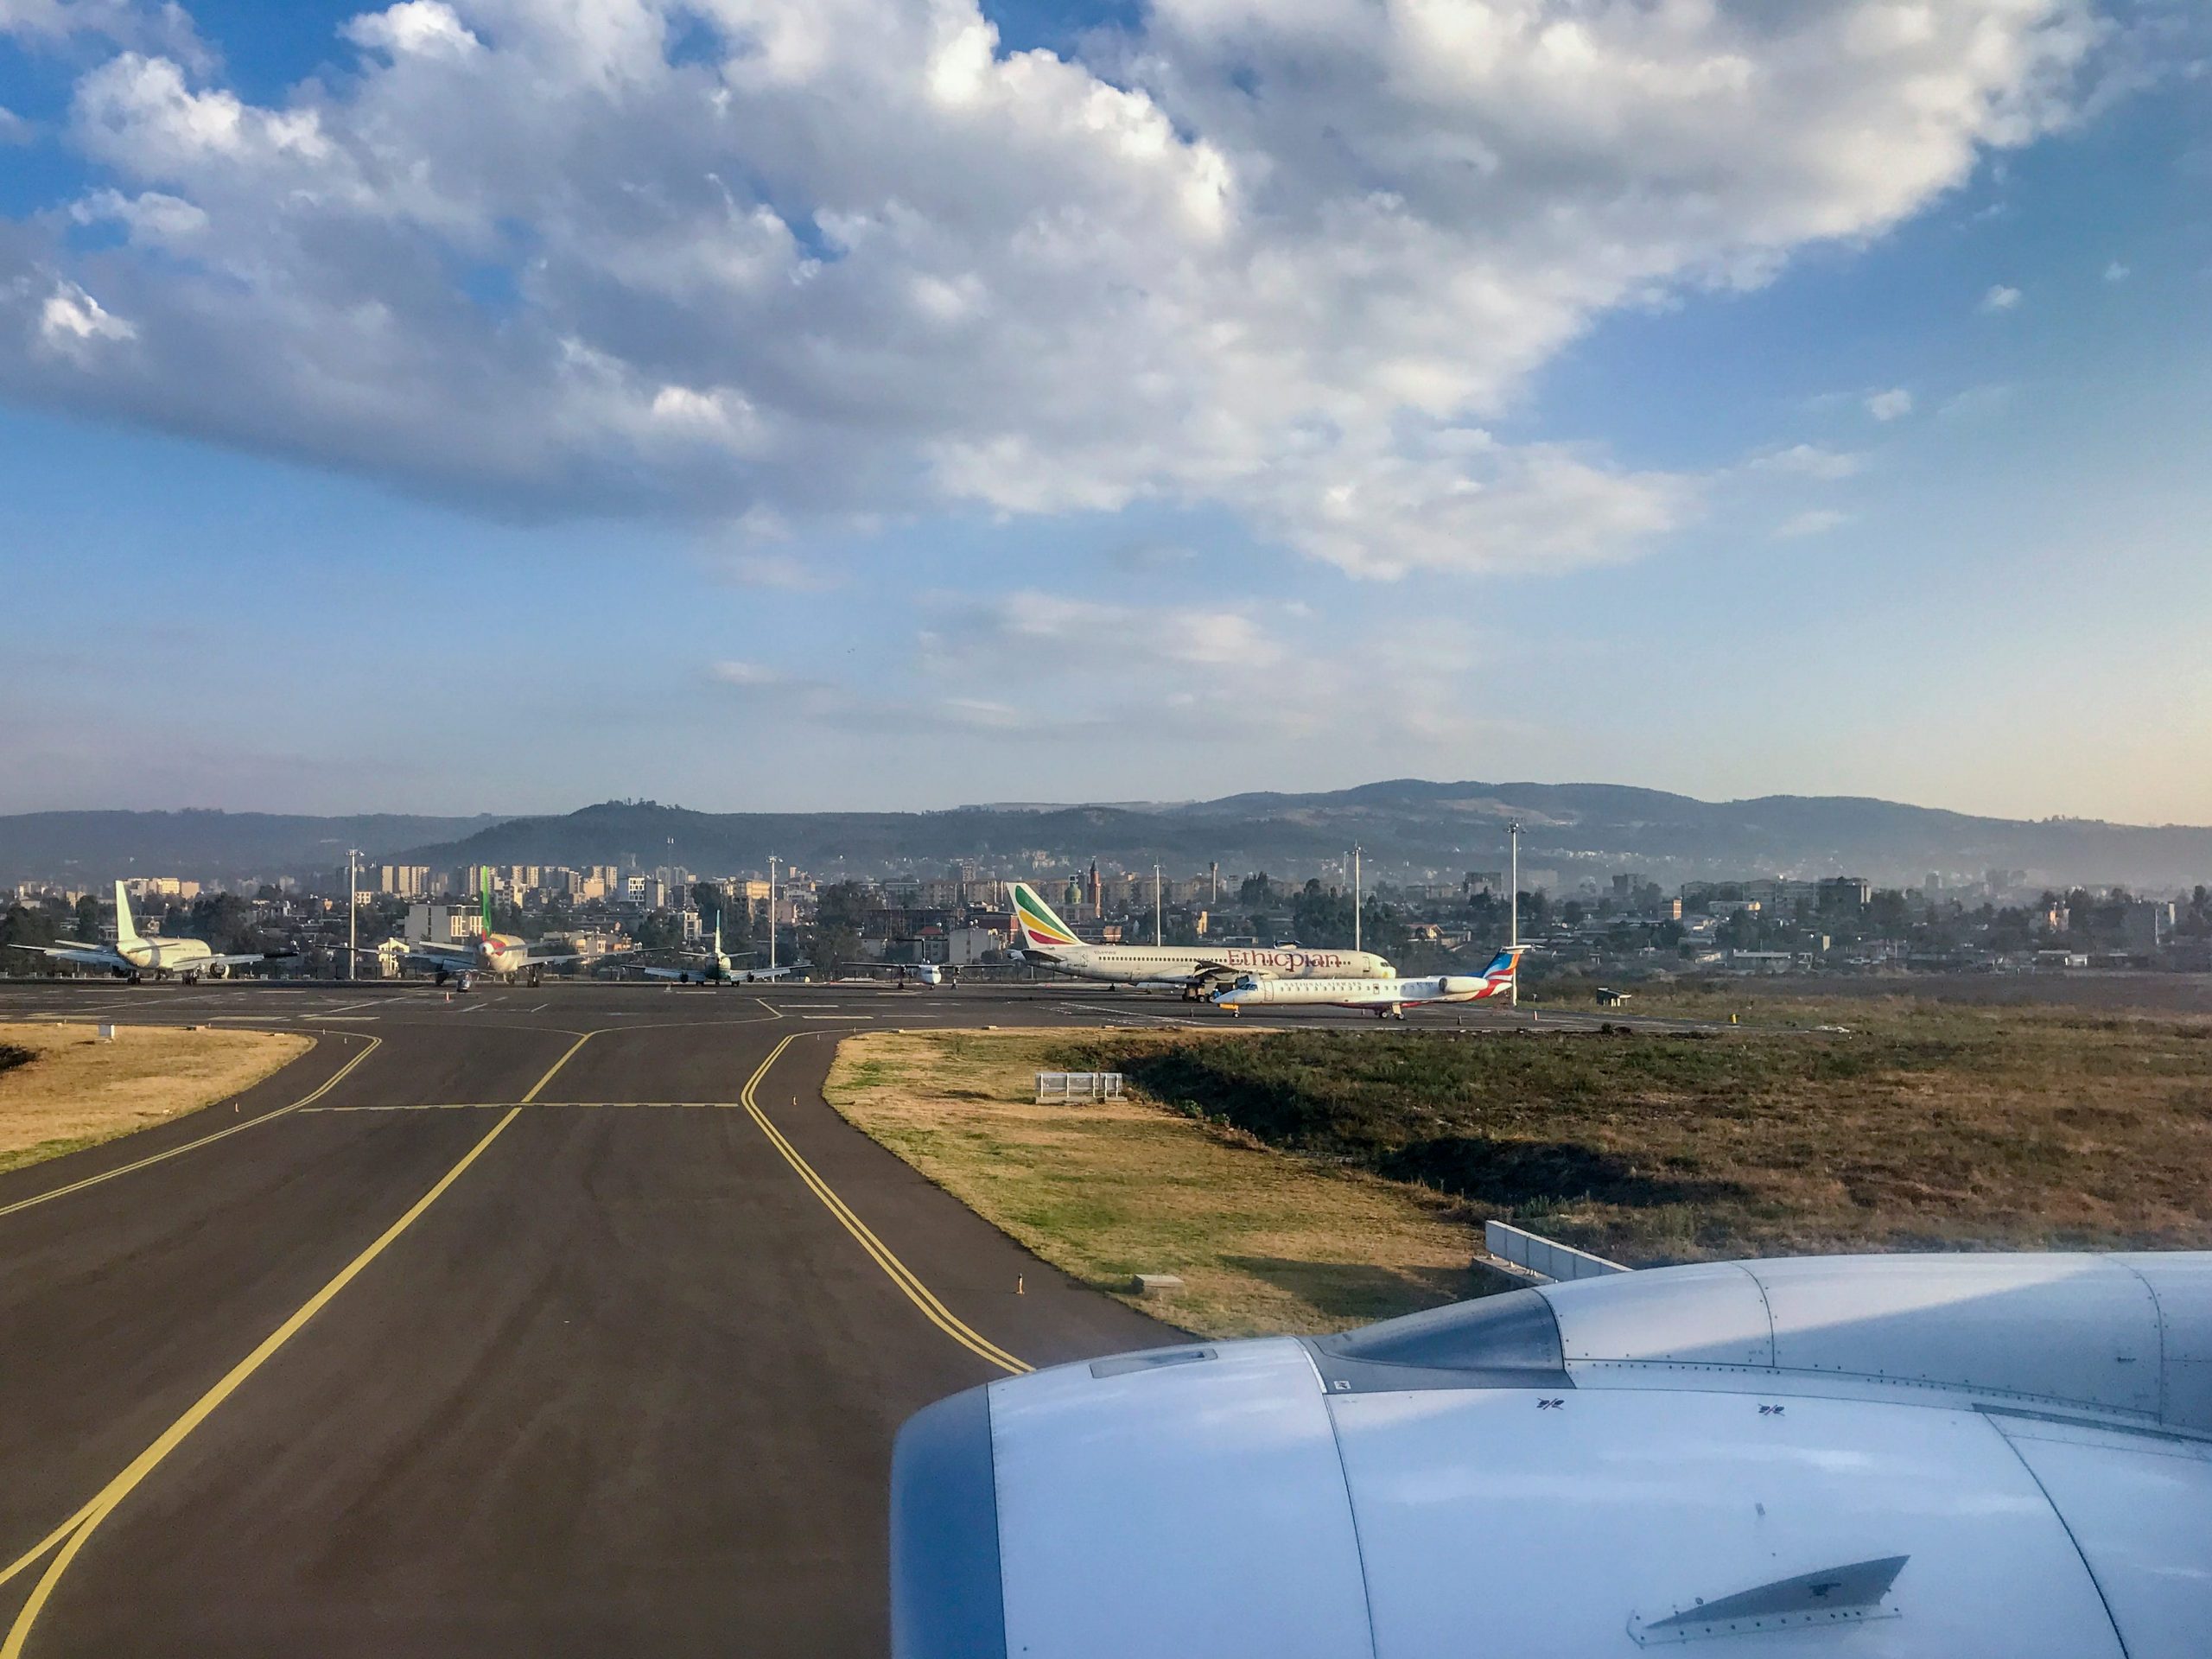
(1387, 999)
(715, 968)
(132, 956)
(1195, 970)
(1887, 1457)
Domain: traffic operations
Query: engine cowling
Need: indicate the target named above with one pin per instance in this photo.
(1460, 984)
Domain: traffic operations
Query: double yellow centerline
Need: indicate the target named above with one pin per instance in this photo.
(900, 1274)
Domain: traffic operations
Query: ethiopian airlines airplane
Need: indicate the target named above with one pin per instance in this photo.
(1387, 999)
(504, 956)
(132, 956)
(1193, 969)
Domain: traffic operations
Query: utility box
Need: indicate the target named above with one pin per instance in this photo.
(107, 1033)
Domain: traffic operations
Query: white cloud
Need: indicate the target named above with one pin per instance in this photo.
(2000, 298)
(747, 675)
(1815, 521)
(2116, 272)
(1809, 460)
(781, 571)
(1891, 405)
(425, 28)
(849, 255)
(72, 323)
(14, 130)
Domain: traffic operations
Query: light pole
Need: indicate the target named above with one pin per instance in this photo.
(1155, 906)
(352, 908)
(1513, 938)
(1355, 900)
(771, 914)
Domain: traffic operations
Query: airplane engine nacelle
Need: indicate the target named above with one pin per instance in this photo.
(219, 970)
(1461, 984)
(1902, 1456)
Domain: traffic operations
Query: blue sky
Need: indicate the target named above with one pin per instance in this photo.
(1866, 459)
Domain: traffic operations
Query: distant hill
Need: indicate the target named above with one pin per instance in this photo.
(96, 847)
(1407, 826)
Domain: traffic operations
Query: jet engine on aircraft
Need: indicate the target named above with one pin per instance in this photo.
(1909, 1456)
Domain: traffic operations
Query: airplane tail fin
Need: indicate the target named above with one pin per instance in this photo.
(1505, 966)
(1034, 923)
(126, 931)
(484, 888)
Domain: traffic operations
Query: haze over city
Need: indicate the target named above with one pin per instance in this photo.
(495, 407)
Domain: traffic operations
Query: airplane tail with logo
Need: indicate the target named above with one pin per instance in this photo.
(126, 931)
(1035, 927)
(1503, 969)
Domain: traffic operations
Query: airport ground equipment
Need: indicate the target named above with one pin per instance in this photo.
(1898, 1457)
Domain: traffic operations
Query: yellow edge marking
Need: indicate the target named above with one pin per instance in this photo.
(48, 1541)
(336, 1077)
(116, 1490)
(556, 1066)
(899, 1274)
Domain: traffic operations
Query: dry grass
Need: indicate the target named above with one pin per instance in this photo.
(1925, 1125)
(1263, 1241)
(71, 1089)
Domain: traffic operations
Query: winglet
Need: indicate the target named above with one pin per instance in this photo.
(1034, 923)
(126, 931)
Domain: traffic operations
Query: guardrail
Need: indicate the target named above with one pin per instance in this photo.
(1544, 1258)
(1064, 1087)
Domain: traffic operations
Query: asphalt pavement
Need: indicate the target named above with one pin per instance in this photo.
(566, 1321)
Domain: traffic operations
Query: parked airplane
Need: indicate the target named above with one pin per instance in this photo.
(715, 968)
(505, 955)
(133, 956)
(1388, 998)
(1193, 969)
(1900, 1457)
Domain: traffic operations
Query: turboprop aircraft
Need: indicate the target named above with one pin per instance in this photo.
(133, 956)
(505, 955)
(1389, 999)
(1195, 970)
(1892, 1457)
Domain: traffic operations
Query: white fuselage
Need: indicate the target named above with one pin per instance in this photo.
(1145, 965)
(1382, 994)
(162, 955)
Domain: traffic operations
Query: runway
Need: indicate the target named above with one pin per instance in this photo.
(558, 1320)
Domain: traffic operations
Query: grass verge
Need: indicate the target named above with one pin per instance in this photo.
(1860, 1123)
(70, 1090)
(1263, 1241)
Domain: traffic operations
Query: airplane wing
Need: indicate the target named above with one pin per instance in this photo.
(85, 956)
(452, 961)
(242, 960)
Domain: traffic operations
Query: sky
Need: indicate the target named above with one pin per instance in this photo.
(500, 405)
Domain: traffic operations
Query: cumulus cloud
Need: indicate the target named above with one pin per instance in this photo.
(2000, 298)
(725, 257)
(2116, 272)
(14, 130)
(1891, 405)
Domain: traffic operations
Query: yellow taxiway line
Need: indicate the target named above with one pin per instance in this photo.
(73, 1533)
(899, 1273)
(335, 1079)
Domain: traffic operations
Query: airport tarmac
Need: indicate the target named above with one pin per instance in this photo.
(557, 1320)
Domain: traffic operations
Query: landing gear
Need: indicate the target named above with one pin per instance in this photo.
(536, 978)
(443, 976)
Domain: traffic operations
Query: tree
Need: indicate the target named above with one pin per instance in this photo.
(660, 931)
(1257, 893)
(88, 920)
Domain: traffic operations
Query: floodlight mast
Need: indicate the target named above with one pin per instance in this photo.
(1513, 938)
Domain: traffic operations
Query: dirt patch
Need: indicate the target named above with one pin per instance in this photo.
(1263, 1241)
(71, 1089)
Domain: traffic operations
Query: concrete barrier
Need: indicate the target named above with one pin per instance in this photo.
(1544, 1258)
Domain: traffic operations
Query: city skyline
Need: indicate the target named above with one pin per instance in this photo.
(1028, 404)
